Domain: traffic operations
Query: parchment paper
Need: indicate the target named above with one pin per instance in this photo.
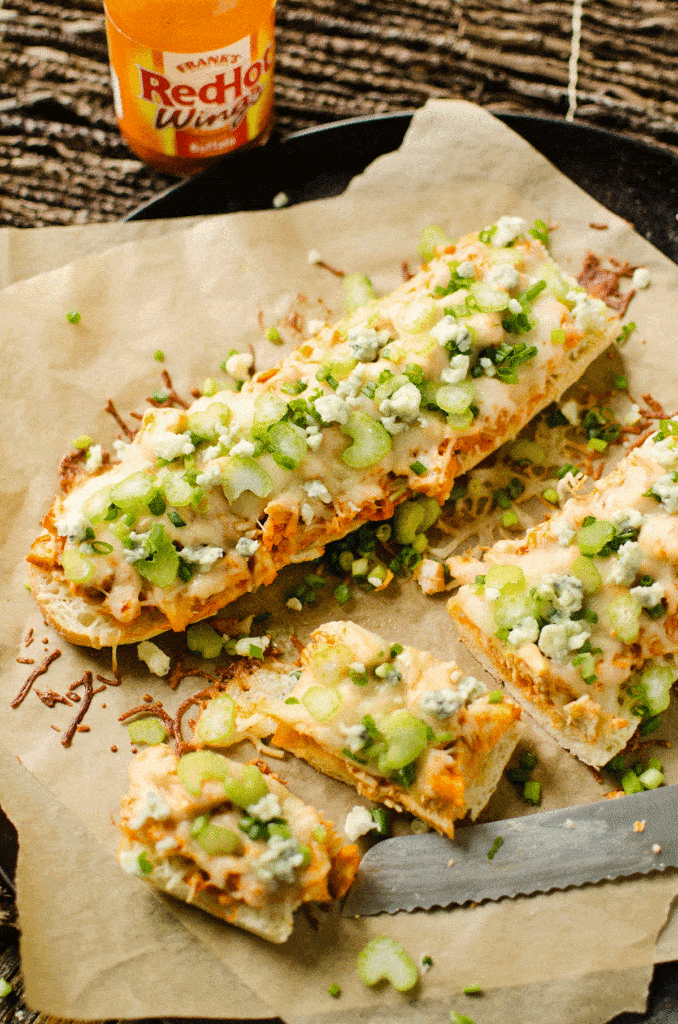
(582, 955)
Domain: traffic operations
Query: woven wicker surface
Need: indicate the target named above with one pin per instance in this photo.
(62, 160)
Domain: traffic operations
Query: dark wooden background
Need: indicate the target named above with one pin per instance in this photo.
(63, 162)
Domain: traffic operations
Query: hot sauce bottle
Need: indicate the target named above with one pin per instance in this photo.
(192, 79)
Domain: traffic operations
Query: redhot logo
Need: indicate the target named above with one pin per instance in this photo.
(185, 106)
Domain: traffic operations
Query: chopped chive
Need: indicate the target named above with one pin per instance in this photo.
(73, 317)
(496, 845)
(551, 495)
(510, 519)
(418, 467)
(159, 355)
(564, 470)
(334, 990)
(495, 697)
(532, 792)
(597, 444)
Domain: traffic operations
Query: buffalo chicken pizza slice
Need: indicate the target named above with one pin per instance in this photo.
(398, 399)
(401, 727)
(579, 618)
(230, 839)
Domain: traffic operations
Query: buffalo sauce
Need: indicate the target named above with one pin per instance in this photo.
(192, 79)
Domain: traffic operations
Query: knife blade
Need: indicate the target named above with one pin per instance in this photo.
(537, 853)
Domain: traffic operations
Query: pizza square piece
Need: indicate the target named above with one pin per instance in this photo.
(579, 618)
(230, 839)
(396, 400)
(399, 726)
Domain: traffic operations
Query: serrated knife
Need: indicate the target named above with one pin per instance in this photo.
(538, 852)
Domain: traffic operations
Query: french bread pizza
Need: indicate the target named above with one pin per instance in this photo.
(230, 839)
(580, 617)
(401, 727)
(394, 401)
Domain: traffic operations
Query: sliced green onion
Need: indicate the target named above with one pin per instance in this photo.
(248, 789)
(147, 730)
(5, 988)
(330, 662)
(358, 291)
(418, 467)
(459, 1018)
(558, 336)
(380, 816)
(407, 521)
(216, 722)
(384, 959)
(489, 299)
(210, 386)
(551, 495)
(198, 766)
(432, 238)
(321, 702)
(342, 594)
(274, 335)
(162, 567)
(495, 697)
(472, 990)
(133, 493)
(510, 519)
(176, 489)
(144, 863)
(334, 990)
(360, 567)
(244, 474)
(532, 792)
(371, 441)
(269, 408)
(83, 442)
(73, 316)
(496, 845)
(597, 444)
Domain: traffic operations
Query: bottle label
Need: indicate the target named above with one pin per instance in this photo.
(194, 105)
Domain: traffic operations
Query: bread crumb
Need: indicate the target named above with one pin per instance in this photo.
(639, 826)
(656, 848)
(450, 862)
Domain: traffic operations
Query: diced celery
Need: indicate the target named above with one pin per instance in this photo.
(198, 766)
(593, 538)
(133, 493)
(162, 567)
(207, 424)
(652, 778)
(96, 506)
(528, 451)
(216, 722)
(248, 789)
(585, 571)
(204, 640)
(630, 783)
(406, 737)
(460, 420)
(339, 366)
(490, 300)
(218, 841)
(358, 291)
(407, 521)
(657, 681)
(500, 576)
(371, 441)
(147, 730)
(330, 662)
(456, 398)
(287, 445)
(177, 491)
(244, 474)
(383, 959)
(77, 568)
(432, 238)
(321, 702)
(387, 387)
(269, 408)
(623, 613)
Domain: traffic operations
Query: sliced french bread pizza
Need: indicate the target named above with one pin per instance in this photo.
(579, 618)
(396, 400)
(401, 727)
(230, 839)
